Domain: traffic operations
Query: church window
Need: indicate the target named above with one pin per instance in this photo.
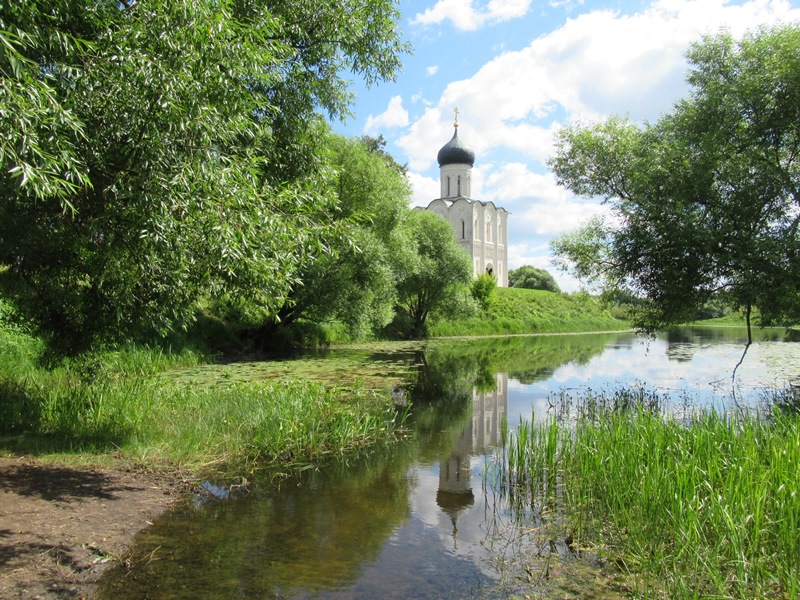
(448, 187)
(463, 229)
(458, 183)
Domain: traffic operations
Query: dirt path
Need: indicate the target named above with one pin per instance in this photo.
(60, 526)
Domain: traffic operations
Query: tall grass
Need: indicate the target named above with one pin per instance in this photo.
(117, 402)
(702, 507)
(291, 423)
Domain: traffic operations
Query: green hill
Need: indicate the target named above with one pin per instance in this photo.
(521, 311)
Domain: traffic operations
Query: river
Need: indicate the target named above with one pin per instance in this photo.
(423, 519)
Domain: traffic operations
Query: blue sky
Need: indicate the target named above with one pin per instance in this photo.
(520, 69)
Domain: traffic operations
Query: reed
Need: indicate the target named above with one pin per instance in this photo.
(705, 506)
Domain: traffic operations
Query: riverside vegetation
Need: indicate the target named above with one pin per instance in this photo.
(103, 240)
(116, 401)
(116, 404)
(703, 506)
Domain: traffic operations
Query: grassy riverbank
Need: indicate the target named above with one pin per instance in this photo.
(706, 506)
(520, 311)
(117, 403)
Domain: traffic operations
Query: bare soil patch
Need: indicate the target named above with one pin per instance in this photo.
(61, 526)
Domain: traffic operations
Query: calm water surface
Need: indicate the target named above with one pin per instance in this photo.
(423, 519)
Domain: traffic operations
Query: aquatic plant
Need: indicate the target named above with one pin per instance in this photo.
(703, 506)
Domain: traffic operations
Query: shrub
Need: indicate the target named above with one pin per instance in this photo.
(483, 290)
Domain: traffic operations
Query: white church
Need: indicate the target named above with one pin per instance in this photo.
(480, 227)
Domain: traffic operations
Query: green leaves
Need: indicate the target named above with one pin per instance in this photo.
(161, 152)
(353, 282)
(532, 278)
(37, 149)
(438, 264)
(706, 199)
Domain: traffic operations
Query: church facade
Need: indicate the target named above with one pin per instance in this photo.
(481, 228)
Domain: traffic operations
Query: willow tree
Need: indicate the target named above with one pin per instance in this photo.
(705, 202)
(155, 152)
(354, 281)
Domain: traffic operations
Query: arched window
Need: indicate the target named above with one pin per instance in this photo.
(448, 187)
(463, 229)
(458, 184)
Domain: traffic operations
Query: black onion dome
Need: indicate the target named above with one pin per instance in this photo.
(454, 152)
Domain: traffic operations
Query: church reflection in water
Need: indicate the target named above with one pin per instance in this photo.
(482, 432)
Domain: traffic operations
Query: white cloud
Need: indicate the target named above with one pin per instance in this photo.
(567, 4)
(424, 189)
(505, 10)
(525, 254)
(466, 17)
(424, 138)
(539, 205)
(549, 218)
(394, 116)
(420, 99)
(514, 180)
(598, 63)
(432, 70)
(539, 256)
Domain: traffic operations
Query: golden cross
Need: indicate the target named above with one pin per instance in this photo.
(455, 110)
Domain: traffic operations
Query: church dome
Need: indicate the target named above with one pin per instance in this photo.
(454, 152)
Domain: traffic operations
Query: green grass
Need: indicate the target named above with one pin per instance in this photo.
(119, 403)
(701, 508)
(522, 311)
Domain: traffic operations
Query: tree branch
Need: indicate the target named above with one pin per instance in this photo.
(746, 347)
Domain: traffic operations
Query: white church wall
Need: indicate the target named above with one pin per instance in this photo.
(480, 228)
(455, 180)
